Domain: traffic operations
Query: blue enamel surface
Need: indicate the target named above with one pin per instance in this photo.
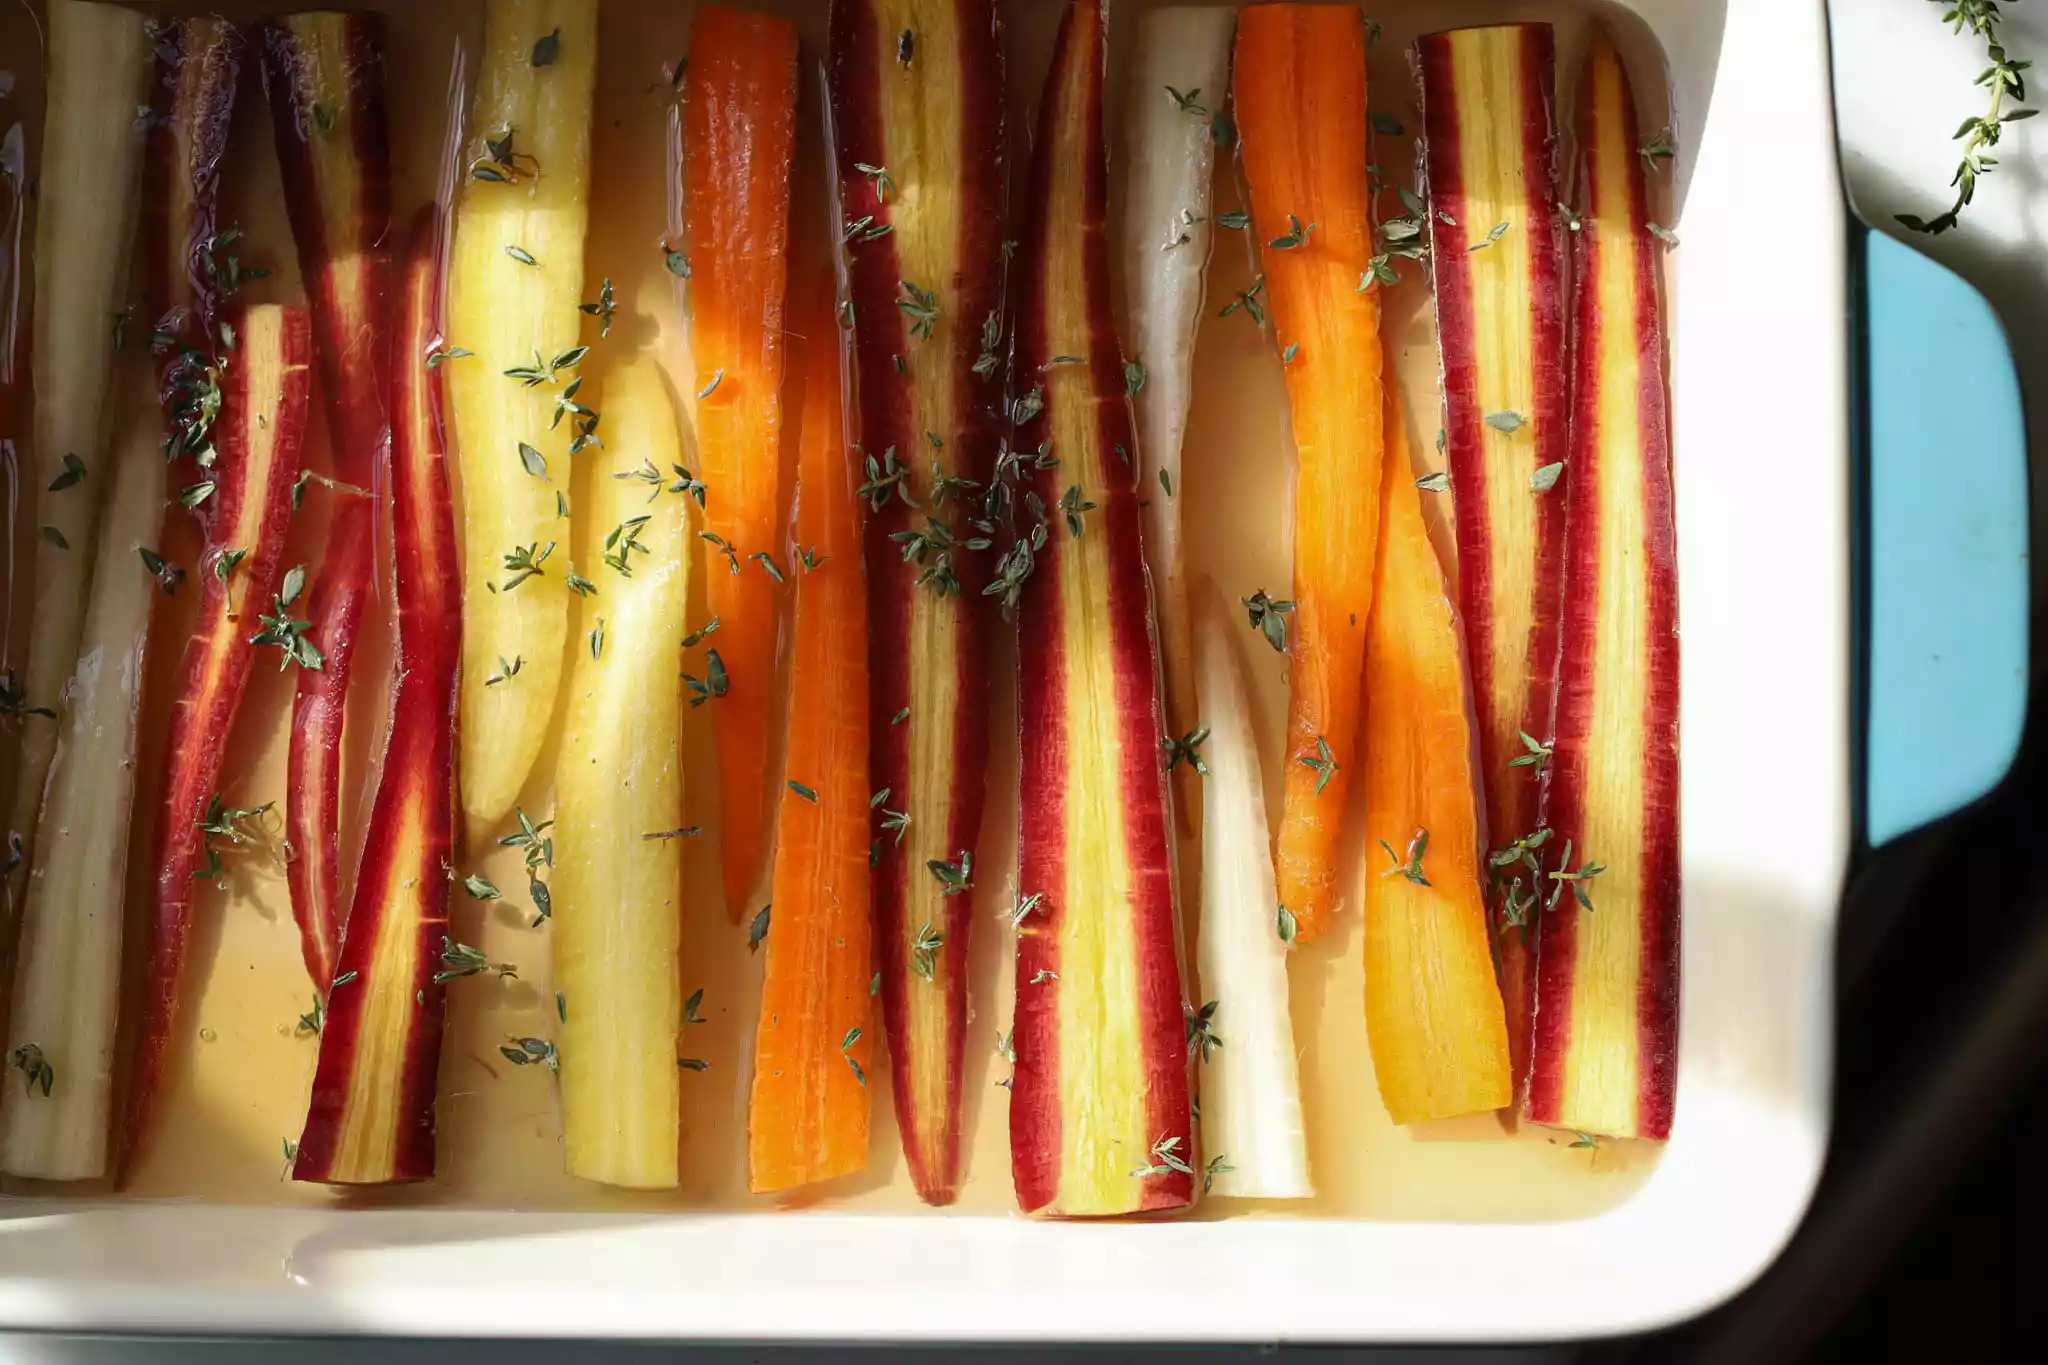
(1947, 544)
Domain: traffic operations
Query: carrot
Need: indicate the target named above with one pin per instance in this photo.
(247, 493)
(808, 1118)
(1100, 1121)
(739, 132)
(920, 149)
(618, 784)
(1605, 1054)
(1433, 1009)
(370, 1120)
(515, 274)
(1300, 102)
(1497, 259)
(92, 156)
(324, 74)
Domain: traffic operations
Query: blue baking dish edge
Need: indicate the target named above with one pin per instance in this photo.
(1946, 543)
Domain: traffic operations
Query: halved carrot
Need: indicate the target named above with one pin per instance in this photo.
(1300, 104)
(244, 501)
(1432, 1006)
(371, 1117)
(324, 74)
(739, 135)
(99, 66)
(1496, 243)
(1605, 1058)
(618, 785)
(921, 148)
(1099, 1116)
(515, 274)
(808, 1117)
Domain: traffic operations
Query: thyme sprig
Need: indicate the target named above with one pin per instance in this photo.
(2005, 78)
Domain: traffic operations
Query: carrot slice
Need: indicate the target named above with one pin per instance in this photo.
(515, 275)
(371, 1119)
(808, 1117)
(1300, 104)
(1099, 1114)
(618, 780)
(1606, 1050)
(920, 145)
(1180, 68)
(1433, 1009)
(92, 156)
(245, 504)
(324, 73)
(1496, 243)
(739, 133)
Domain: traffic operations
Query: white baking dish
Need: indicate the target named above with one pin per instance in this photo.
(1761, 361)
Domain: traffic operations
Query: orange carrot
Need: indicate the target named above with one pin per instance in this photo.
(1433, 1008)
(1300, 100)
(809, 1116)
(739, 132)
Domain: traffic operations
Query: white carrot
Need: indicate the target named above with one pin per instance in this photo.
(85, 224)
(1253, 1144)
(60, 1032)
(1179, 84)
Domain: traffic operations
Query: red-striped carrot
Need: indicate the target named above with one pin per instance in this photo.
(1496, 242)
(1099, 1115)
(244, 502)
(324, 73)
(1432, 1005)
(808, 1116)
(371, 1120)
(1606, 1050)
(190, 269)
(1300, 105)
(920, 151)
(739, 133)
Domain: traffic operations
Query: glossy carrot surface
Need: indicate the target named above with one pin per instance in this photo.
(1606, 1047)
(920, 150)
(808, 1116)
(1497, 258)
(1100, 1122)
(1433, 1009)
(1300, 106)
(324, 73)
(245, 507)
(739, 133)
(371, 1118)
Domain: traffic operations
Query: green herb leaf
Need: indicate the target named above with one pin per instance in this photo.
(73, 474)
(1438, 482)
(1296, 235)
(1411, 866)
(1268, 618)
(1546, 476)
(547, 49)
(757, 927)
(1321, 762)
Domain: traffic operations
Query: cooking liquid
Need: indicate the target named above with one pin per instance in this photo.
(240, 1067)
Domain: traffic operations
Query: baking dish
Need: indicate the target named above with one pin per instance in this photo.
(1791, 645)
